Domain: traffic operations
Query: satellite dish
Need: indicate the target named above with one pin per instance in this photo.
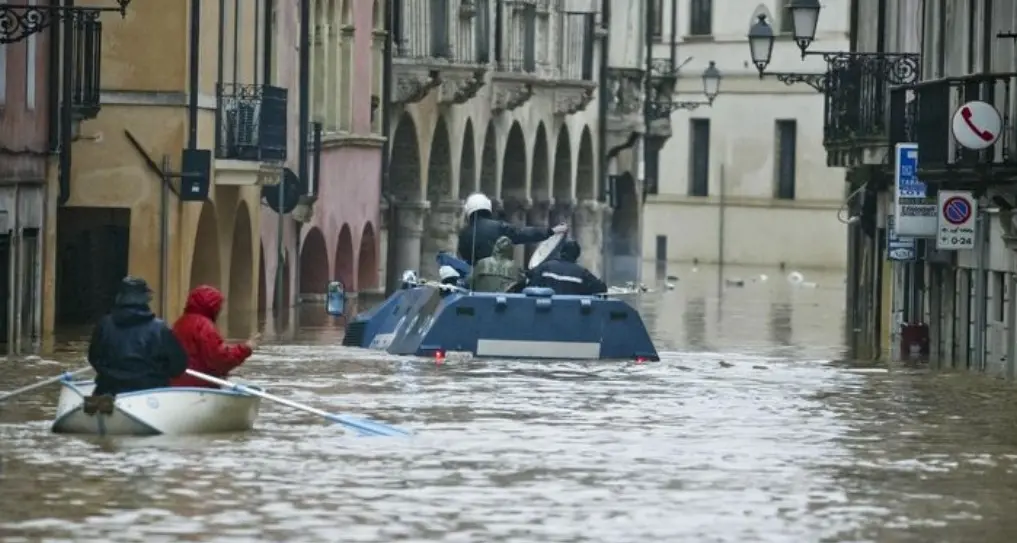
(292, 189)
(547, 248)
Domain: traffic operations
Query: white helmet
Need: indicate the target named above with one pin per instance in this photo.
(476, 202)
(447, 272)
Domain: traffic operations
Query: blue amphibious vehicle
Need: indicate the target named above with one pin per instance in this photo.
(433, 321)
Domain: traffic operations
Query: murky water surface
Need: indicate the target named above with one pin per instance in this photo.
(748, 430)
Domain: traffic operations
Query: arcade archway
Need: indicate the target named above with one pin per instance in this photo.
(314, 270)
(467, 163)
(205, 265)
(367, 260)
(241, 281)
(344, 258)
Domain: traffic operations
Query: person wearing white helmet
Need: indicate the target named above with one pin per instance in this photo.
(482, 230)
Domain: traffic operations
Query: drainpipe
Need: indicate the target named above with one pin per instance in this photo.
(386, 122)
(195, 59)
(602, 98)
(53, 94)
(66, 109)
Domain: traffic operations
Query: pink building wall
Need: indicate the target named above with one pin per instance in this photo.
(341, 240)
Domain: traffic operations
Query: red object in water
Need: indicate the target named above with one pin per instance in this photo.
(439, 357)
(914, 341)
(640, 360)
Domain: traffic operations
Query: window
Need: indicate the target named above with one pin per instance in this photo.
(699, 157)
(658, 18)
(701, 18)
(786, 22)
(786, 136)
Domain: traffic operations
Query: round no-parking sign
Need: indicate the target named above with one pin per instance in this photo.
(956, 211)
(977, 125)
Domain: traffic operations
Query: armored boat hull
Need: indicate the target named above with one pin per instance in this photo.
(536, 324)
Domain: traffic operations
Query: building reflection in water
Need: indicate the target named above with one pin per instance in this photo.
(694, 322)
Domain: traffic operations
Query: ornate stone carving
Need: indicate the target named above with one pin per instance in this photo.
(626, 91)
(460, 84)
(572, 99)
(509, 94)
(413, 82)
(409, 218)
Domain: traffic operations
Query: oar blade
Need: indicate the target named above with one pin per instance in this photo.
(367, 427)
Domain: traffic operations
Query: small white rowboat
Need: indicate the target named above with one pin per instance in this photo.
(167, 411)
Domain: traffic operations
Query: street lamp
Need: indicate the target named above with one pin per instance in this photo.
(711, 81)
(761, 41)
(804, 21)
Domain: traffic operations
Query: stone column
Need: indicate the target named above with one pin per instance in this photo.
(540, 213)
(516, 212)
(562, 211)
(588, 231)
(406, 235)
(442, 227)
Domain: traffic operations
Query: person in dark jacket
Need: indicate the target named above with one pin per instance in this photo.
(564, 275)
(130, 348)
(482, 230)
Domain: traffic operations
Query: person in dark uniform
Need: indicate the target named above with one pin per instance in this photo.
(564, 275)
(131, 349)
(482, 230)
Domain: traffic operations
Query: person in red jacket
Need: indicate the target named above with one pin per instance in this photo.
(207, 352)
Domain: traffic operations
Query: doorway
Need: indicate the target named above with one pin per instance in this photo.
(93, 245)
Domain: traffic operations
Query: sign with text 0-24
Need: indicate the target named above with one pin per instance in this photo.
(956, 218)
(914, 212)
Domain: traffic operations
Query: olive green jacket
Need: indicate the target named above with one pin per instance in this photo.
(497, 272)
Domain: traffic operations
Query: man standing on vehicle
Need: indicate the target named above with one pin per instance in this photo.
(482, 230)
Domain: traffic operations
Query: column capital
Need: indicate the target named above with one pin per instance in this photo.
(409, 218)
(539, 212)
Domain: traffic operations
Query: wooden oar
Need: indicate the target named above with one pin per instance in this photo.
(44, 382)
(366, 427)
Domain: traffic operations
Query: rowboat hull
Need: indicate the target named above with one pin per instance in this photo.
(160, 411)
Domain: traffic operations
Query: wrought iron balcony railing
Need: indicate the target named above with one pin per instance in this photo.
(86, 37)
(857, 96)
(928, 118)
(451, 31)
(251, 122)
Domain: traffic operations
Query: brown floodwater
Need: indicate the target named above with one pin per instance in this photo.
(751, 428)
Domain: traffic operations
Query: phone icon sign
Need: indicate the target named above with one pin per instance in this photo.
(977, 125)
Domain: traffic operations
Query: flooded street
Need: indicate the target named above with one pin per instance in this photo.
(749, 429)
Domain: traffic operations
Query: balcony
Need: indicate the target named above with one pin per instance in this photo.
(440, 45)
(250, 133)
(857, 99)
(625, 101)
(86, 39)
(923, 113)
(541, 47)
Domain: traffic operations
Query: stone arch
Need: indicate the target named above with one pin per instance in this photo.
(205, 265)
(624, 241)
(468, 163)
(241, 281)
(439, 164)
(489, 163)
(344, 258)
(539, 186)
(440, 227)
(513, 178)
(262, 281)
(367, 260)
(404, 169)
(314, 270)
(586, 183)
(562, 177)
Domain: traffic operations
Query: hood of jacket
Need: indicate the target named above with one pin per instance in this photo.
(503, 248)
(206, 301)
(125, 315)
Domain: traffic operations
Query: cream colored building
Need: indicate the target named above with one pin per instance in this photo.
(747, 177)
